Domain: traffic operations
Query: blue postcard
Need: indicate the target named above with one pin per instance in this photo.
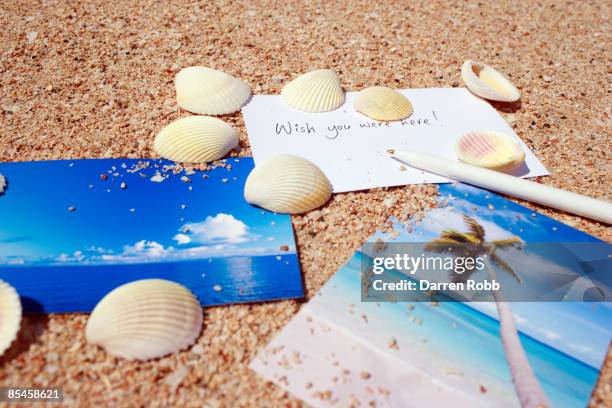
(73, 230)
(340, 350)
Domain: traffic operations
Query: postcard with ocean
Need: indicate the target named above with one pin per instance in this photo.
(73, 230)
(340, 351)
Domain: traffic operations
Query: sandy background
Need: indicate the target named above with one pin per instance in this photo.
(78, 79)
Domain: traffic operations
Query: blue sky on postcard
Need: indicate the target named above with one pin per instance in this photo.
(113, 211)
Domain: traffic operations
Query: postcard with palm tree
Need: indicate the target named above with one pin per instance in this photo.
(73, 230)
(343, 351)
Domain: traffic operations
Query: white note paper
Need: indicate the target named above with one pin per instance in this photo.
(352, 149)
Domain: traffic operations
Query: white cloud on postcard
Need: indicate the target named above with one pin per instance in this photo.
(218, 229)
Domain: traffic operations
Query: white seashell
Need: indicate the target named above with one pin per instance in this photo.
(488, 83)
(382, 103)
(10, 315)
(210, 92)
(489, 149)
(145, 319)
(2, 183)
(287, 184)
(196, 139)
(314, 91)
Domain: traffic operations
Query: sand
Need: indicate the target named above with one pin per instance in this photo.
(95, 80)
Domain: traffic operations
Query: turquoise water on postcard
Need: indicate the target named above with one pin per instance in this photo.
(214, 281)
(451, 335)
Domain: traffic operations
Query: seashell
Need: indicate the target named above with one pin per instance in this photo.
(489, 149)
(145, 319)
(2, 183)
(195, 139)
(488, 83)
(10, 315)
(287, 184)
(210, 92)
(314, 91)
(382, 103)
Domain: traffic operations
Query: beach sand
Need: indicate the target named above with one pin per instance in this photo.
(96, 80)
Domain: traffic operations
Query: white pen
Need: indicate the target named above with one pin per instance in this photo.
(504, 183)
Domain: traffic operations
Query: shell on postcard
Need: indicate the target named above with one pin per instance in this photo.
(489, 149)
(488, 83)
(314, 91)
(287, 184)
(2, 183)
(145, 319)
(196, 139)
(382, 103)
(210, 92)
(10, 315)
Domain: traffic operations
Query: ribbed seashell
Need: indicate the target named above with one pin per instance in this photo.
(314, 91)
(2, 183)
(287, 184)
(10, 315)
(210, 92)
(489, 149)
(488, 83)
(382, 103)
(196, 139)
(145, 319)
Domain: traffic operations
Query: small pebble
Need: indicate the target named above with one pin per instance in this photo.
(31, 36)
(389, 201)
(392, 344)
(175, 378)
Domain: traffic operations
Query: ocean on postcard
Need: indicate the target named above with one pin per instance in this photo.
(72, 230)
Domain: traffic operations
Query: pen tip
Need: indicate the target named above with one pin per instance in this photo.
(391, 151)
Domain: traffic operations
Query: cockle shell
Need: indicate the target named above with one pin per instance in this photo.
(10, 315)
(210, 92)
(145, 319)
(196, 139)
(488, 83)
(2, 183)
(314, 91)
(287, 184)
(382, 103)
(489, 149)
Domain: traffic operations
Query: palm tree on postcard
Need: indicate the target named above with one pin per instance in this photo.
(473, 243)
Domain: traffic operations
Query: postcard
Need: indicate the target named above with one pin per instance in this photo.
(352, 149)
(342, 351)
(73, 230)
